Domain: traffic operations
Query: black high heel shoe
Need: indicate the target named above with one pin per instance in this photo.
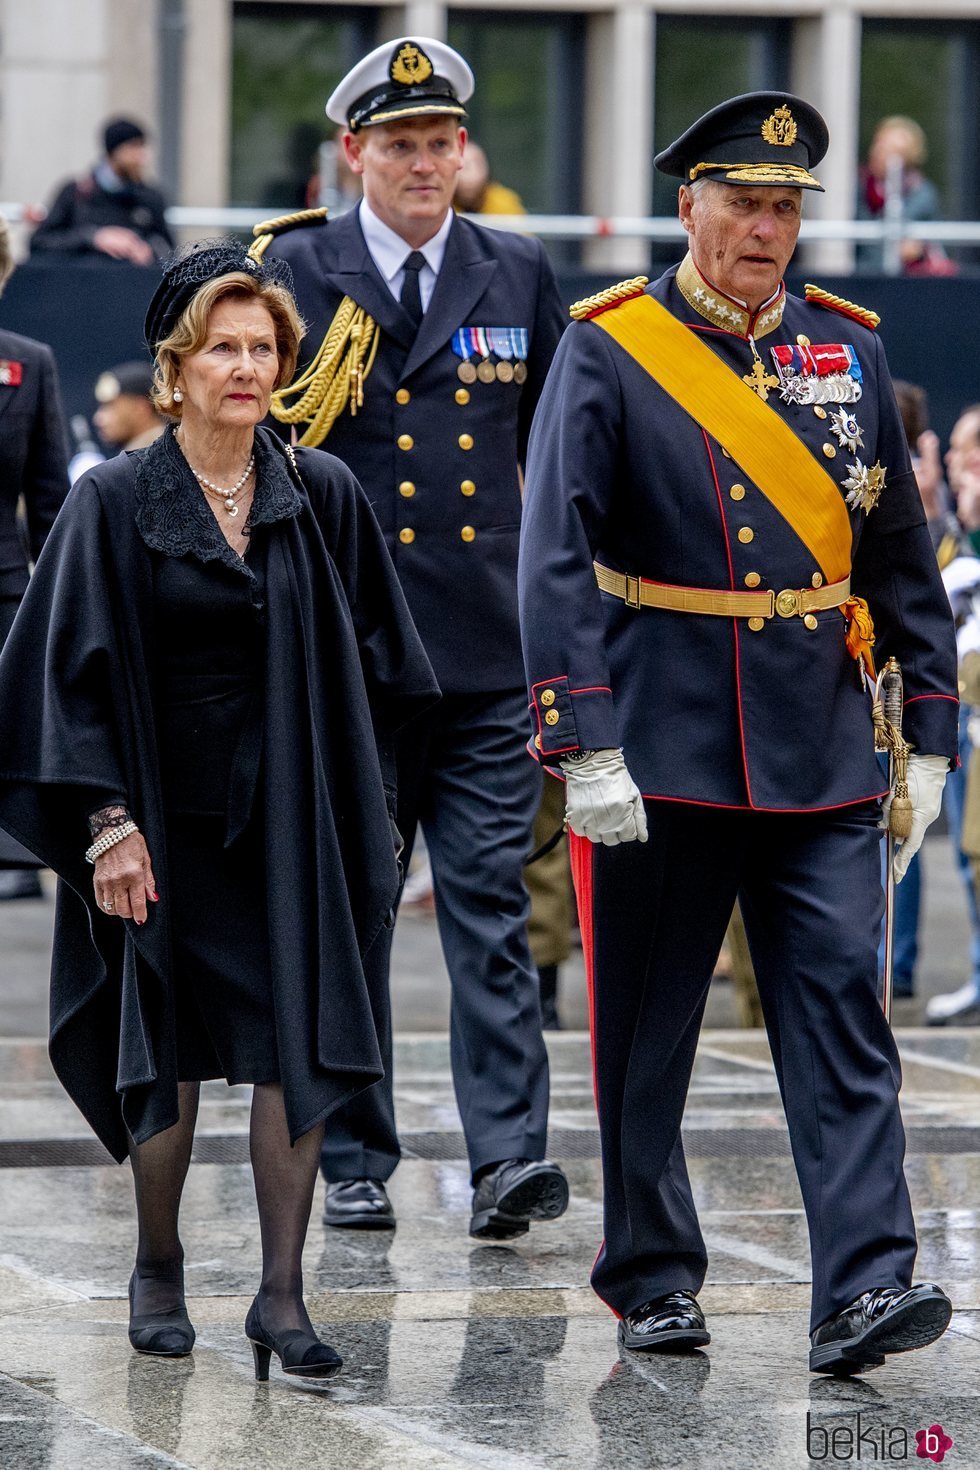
(163, 1334)
(301, 1354)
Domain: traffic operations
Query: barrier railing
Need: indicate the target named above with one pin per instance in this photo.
(594, 227)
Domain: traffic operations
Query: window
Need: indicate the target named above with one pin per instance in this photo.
(527, 107)
(929, 71)
(286, 60)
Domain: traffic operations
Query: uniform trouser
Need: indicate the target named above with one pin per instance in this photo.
(465, 775)
(653, 917)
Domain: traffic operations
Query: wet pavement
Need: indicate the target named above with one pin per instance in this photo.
(460, 1354)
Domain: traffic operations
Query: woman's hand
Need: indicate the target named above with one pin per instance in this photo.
(124, 879)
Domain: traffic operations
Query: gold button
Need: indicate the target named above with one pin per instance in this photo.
(757, 624)
(746, 534)
(403, 396)
(405, 441)
(737, 492)
(816, 580)
(468, 487)
(537, 742)
(810, 621)
(552, 717)
(830, 451)
(468, 533)
(463, 395)
(547, 697)
(802, 339)
(821, 413)
(407, 489)
(752, 579)
(406, 535)
(465, 441)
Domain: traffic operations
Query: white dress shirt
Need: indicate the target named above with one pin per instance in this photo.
(389, 253)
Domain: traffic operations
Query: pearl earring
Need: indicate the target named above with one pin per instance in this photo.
(178, 396)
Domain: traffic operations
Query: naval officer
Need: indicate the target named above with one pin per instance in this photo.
(432, 337)
(720, 520)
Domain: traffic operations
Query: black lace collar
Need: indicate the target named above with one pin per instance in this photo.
(173, 516)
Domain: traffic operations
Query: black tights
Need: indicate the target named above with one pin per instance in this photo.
(284, 1181)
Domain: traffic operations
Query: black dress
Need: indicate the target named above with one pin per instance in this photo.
(208, 659)
(246, 711)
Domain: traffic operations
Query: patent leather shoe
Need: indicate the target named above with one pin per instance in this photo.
(160, 1334)
(513, 1194)
(301, 1354)
(667, 1324)
(886, 1319)
(358, 1204)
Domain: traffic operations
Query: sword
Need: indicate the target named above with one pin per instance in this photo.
(887, 717)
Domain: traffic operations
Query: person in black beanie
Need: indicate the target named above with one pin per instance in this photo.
(112, 211)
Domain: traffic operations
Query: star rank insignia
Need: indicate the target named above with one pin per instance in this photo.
(847, 431)
(864, 485)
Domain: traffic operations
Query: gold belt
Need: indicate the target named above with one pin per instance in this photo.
(790, 603)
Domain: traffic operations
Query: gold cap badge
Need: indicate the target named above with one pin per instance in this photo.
(410, 66)
(780, 128)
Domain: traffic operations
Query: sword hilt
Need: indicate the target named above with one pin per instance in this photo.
(892, 695)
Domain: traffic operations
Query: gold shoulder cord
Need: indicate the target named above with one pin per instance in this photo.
(580, 311)
(343, 360)
(820, 297)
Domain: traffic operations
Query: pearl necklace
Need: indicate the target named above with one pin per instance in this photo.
(228, 496)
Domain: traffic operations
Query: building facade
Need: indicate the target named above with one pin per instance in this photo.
(573, 96)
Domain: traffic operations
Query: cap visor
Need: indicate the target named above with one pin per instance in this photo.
(414, 109)
(791, 175)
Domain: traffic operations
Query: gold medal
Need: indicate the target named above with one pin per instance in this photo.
(466, 372)
(486, 372)
(520, 372)
(505, 372)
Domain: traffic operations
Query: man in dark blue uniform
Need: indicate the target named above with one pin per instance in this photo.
(718, 491)
(437, 335)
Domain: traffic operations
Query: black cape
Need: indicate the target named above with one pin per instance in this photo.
(344, 669)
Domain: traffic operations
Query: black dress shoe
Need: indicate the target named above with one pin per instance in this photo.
(513, 1194)
(667, 1324)
(301, 1354)
(166, 1334)
(20, 883)
(358, 1204)
(887, 1319)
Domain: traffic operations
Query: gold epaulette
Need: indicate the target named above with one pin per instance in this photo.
(580, 311)
(861, 314)
(267, 230)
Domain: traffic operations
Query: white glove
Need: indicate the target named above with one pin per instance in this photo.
(927, 777)
(602, 802)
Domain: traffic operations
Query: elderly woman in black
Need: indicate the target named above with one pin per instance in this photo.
(208, 668)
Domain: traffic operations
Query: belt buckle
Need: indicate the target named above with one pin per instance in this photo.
(632, 591)
(789, 603)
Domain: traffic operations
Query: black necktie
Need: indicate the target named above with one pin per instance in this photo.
(411, 297)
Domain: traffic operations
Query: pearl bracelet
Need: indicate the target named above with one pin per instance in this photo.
(109, 838)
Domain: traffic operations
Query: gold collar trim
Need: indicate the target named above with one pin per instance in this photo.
(721, 310)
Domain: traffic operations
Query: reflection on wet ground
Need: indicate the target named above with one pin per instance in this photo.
(459, 1354)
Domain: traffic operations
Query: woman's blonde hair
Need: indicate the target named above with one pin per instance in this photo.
(6, 253)
(191, 329)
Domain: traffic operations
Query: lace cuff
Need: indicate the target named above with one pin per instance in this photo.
(107, 817)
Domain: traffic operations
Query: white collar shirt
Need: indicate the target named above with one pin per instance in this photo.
(389, 252)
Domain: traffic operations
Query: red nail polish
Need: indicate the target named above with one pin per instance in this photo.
(155, 896)
(141, 922)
